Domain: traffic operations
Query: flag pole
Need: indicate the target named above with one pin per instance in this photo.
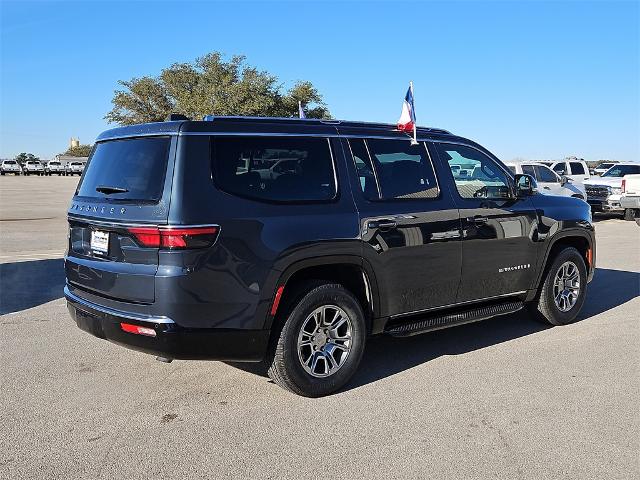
(414, 140)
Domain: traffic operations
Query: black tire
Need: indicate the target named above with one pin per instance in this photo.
(544, 308)
(1, 173)
(284, 364)
(629, 214)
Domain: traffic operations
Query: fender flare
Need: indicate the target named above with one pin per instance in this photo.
(281, 278)
(561, 235)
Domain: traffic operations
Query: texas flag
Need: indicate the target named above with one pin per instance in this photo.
(407, 121)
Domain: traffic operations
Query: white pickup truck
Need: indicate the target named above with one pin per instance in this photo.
(630, 199)
(604, 193)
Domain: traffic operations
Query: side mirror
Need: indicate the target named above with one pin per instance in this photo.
(525, 185)
(564, 180)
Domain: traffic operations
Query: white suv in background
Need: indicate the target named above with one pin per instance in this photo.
(53, 167)
(10, 166)
(573, 168)
(32, 167)
(603, 193)
(549, 182)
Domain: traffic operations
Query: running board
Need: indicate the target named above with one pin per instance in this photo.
(444, 320)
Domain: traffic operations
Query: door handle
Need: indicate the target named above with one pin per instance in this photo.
(384, 224)
(546, 188)
(478, 220)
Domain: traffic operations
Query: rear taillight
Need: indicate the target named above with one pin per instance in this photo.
(624, 185)
(175, 238)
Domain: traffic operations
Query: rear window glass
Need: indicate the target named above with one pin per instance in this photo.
(280, 169)
(132, 169)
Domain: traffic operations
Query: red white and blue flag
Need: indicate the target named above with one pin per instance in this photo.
(407, 121)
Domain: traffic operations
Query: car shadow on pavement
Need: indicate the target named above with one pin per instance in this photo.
(29, 284)
(385, 356)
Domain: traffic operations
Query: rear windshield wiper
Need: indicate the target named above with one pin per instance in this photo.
(109, 190)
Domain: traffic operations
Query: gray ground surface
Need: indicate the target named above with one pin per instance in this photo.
(505, 398)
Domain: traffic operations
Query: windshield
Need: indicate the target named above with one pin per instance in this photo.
(135, 166)
(621, 170)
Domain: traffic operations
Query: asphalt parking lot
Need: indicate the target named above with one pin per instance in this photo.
(504, 398)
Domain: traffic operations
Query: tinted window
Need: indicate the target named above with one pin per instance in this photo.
(544, 174)
(136, 165)
(364, 169)
(561, 168)
(479, 176)
(622, 170)
(404, 170)
(512, 168)
(576, 168)
(529, 170)
(284, 169)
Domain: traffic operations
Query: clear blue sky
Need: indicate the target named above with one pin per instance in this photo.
(531, 80)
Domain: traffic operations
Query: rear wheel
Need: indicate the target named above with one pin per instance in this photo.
(321, 342)
(563, 290)
(629, 214)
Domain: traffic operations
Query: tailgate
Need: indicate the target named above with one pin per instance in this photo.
(126, 183)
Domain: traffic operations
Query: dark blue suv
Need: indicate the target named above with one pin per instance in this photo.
(291, 241)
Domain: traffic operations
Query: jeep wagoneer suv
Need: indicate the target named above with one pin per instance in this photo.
(291, 241)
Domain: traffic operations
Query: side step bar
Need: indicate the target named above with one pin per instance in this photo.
(450, 319)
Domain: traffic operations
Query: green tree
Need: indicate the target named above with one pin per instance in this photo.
(211, 85)
(79, 151)
(23, 157)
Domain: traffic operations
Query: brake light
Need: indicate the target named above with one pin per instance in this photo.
(624, 185)
(138, 330)
(175, 237)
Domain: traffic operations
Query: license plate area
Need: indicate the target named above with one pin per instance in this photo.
(99, 243)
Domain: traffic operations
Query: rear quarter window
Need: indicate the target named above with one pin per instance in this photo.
(274, 169)
(136, 165)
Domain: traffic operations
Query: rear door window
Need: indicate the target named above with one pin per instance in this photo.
(529, 170)
(560, 168)
(404, 171)
(544, 174)
(576, 168)
(131, 169)
(364, 169)
(280, 169)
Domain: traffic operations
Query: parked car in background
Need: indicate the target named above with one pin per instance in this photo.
(549, 182)
(33, 167)
(53, 167)
(630, 199)
(369, 234)
(576, 170)
(74, 168)
(603, 167)
(604, 192)
(10, 166)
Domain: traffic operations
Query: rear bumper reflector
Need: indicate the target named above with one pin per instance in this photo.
(138, 330)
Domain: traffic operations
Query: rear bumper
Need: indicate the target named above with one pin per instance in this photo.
(171, 340)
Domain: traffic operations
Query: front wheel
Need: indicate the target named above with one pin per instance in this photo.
(321, 342)
(563, 290)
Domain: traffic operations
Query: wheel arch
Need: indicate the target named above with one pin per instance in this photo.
(353, 272)
(581, 240)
